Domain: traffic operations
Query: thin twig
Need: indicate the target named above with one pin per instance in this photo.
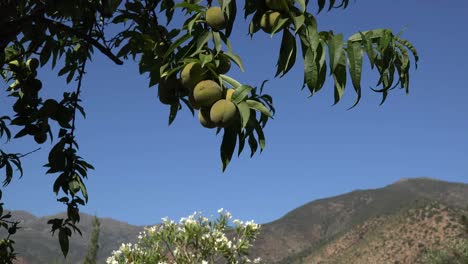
(85, 37)
(77, 94)
(29, 153)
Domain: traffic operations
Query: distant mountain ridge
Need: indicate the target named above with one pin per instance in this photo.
(393, 224)
(35, 244)
(304, 231)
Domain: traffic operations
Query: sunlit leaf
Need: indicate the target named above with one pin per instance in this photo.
(259, 107)
(241, 93)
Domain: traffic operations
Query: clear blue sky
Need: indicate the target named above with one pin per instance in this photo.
(146, 170)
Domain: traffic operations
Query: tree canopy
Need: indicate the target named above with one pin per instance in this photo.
(189, 63)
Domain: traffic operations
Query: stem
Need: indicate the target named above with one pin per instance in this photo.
(170, 250)
(30, 152)
(77, 94)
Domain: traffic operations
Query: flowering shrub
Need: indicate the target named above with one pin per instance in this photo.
(195, 239)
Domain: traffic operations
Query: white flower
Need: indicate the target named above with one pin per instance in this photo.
(228, 215)
(111, 260)
(251, 224)
(152, 241)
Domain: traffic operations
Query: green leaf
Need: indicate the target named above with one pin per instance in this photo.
(192, 21)
(321, 4)
(261, 136)
(227, 146)
(311, 28)
(262, 86)
(281, 23)
(370, 34)
(315, 67)
(64, 70)
(217, 41)
(154, 78)
(252, 144)
(74, 187)
(177, 44)
(354, 51)
(332, 4)
(9, 172)
(244, 111)
(254, 24)
(241, 138)
(189, 105)
(171, 71)
(311, 71)
(83, 189)
(339, 77)
(413, 50)
(237, 60)
(46, 52)
(240, 93)
(205, 58)
(249, 7)
(23, 132)
(173, 112)
(202, 40)
(230, 7)
(302, 4)
(287, 56)
(168, 5)
(230, 81)
(321, 52)
(70, 75)
(256, 105)
(63, 240)
(369, 48)
(298, 22)
(335, 48)
(190, 7)
(404, 58)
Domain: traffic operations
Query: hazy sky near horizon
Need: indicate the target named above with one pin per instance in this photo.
(146, 170)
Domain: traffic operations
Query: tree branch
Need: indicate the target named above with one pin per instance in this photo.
(85, 37)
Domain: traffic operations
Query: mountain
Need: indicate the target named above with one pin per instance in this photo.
(35, 245)
(394, 224)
